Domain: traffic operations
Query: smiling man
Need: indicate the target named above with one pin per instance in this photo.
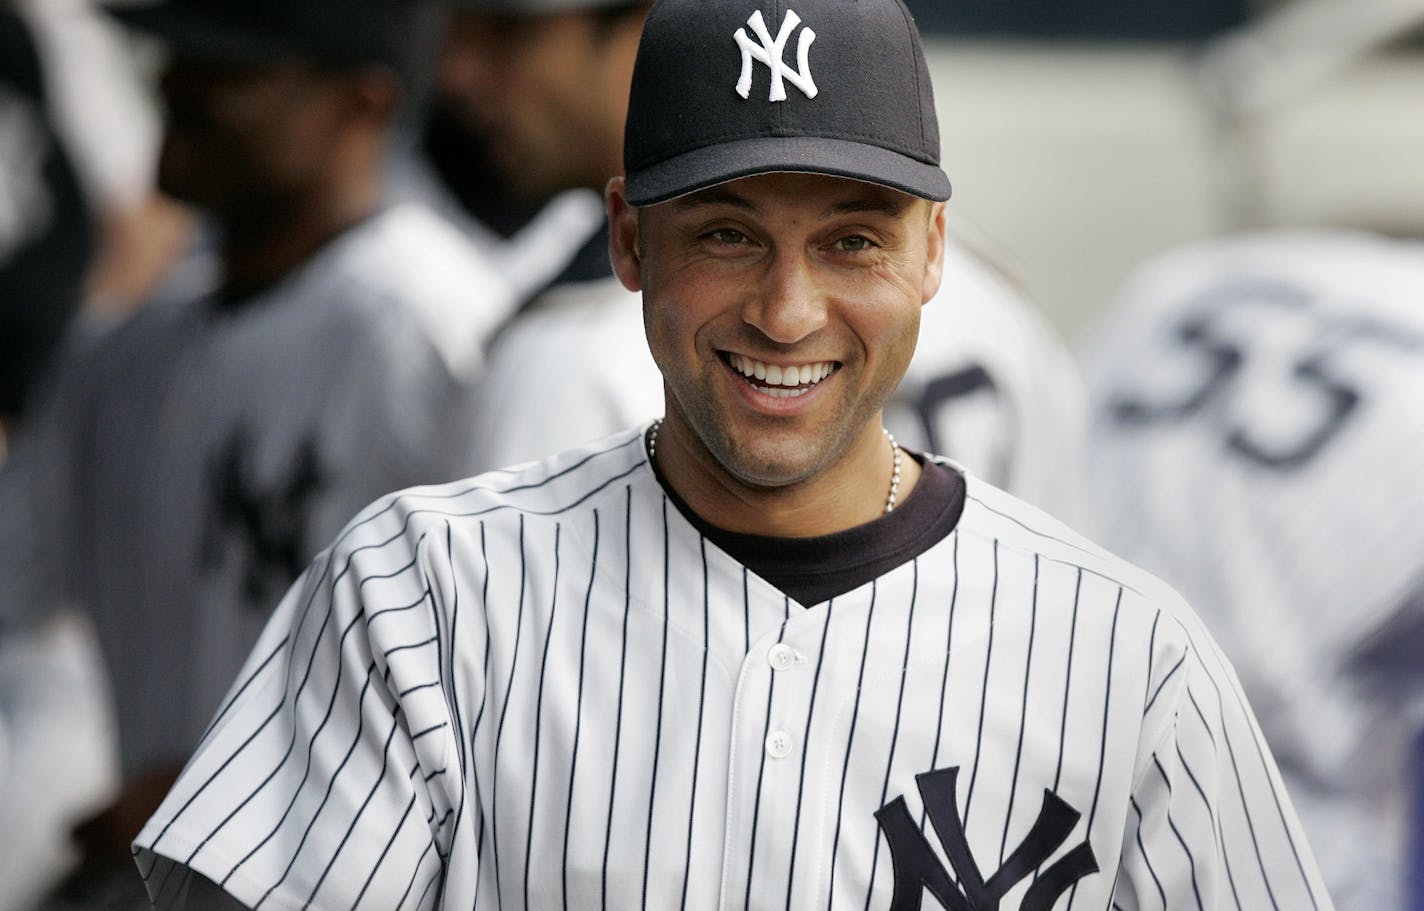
(755, 654)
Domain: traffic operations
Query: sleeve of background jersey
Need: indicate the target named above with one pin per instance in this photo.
(401, 417)
(1209, 824)
(554, 382)
(1051, 466)
(332, 775)
(536, 400)
(35, 514)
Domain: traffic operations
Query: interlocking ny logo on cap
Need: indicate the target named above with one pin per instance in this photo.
(769, 52)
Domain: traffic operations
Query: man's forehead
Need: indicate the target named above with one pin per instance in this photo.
(822, 193)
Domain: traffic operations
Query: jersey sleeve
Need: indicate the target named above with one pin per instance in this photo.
(38, 477)
(1209, 824)
(401, 416)
(31, 532)
(331, 776)
(993, 387)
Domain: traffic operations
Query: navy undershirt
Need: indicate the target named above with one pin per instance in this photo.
(816, 569)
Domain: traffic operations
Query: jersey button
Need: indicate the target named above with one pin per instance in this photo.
(778, 744)
(781, 657)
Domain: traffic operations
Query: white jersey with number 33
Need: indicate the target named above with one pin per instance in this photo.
(1257, 440)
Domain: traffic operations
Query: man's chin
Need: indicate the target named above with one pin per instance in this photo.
(767, 464)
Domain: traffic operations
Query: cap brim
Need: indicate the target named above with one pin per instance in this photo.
(717, 164)
(199, 33)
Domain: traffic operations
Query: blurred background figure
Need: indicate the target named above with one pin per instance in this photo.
(56, 757)
(46, 228)
(991, 383)
(1416, 842)
(180, 471)
(1257, 442)
(514, 146)
(1256, 424)
(108, 121)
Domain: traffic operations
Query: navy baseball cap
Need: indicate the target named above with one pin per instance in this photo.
(724, 89)
(396, 33)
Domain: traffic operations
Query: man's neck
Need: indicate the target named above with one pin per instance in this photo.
(260, 250)
(852, 491)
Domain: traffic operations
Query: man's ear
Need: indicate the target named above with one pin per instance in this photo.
(623, 235)
(934, 253)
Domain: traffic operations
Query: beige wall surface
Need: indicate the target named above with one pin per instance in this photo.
(1072, 164)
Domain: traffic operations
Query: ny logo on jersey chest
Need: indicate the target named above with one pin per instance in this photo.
(265, 518)
(770, 51)
(918, 869)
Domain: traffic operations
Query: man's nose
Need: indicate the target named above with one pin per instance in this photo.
(789, 305)
(466, 67)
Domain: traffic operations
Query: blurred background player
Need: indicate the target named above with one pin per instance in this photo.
(1256, 421)
(991, 384)
(106, 117)
(184, 467)
(512, 148)
(55, 765)
(46, 227)
(1257, 442)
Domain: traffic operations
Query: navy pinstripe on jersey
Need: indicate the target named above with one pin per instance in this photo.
(544, 688)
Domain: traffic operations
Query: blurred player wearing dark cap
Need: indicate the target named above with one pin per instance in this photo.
(187, 465)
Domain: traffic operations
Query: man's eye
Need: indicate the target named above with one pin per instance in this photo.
(728, 236)
(855, 243)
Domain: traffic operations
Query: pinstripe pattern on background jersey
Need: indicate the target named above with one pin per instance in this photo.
(1296, 452)
(646, 776)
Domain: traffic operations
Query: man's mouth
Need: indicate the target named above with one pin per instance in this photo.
(783, 381)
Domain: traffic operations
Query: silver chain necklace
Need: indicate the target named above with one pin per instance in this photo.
(890, 498)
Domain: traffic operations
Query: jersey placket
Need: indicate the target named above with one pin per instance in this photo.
(770, 775)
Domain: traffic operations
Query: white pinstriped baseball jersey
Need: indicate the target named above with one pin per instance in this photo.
(1256, 441)
(545, 688)
(989, 384)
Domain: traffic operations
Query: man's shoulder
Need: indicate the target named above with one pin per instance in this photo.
(566, 485)
(596, 302)
(592, 330)
(978, 314)
(407, 266)
(992, 513)
(408, 249)
(1335, 270)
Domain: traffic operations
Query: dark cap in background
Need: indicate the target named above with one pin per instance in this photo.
(396, 33)
(724, 89)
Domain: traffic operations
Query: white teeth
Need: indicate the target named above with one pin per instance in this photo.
(785, 379)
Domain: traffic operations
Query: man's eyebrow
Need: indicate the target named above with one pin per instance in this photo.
(877, 205)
